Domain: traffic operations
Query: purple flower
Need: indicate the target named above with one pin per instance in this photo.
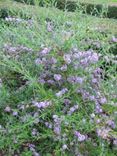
(57, 125)
(71, 79)
(75, 79)
(94, 80)
(103, 132)
(102, 100)
(77, 55)
(57, 77)
(64, 68)
(87, 58)
(84, 62)
(79, 80)
(85, 94)
(52, 82)
(15, 113)
(94, 58)
(14, 51)
(42, 104)
(42, 81)
(32, 147)
(62, 92)
(98, 109)
(34, 132)
(57, 129)
(111, 124)
(98, 121)
(38, 61)
(36, 154)
(67, 101)
(97, 72)
(8, 109)
(72, 110)
(53, 60)
(80, 136)
(49, 125)
(67, 58)
(45, 51)
(114, 39)
(92, 97)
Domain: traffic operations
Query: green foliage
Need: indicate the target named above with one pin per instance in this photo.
(41, 2)
(19, 81)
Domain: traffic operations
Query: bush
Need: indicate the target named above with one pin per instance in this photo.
(57, 85)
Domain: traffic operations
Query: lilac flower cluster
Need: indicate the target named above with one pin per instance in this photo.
(76, 59)
(81, 58)
(32, 148)
(57, 77)
(72, 110)
(45, 51)
(15, 51)
(80, 136)
(50, 65)
(111, 123)
(61, 92)
(64, 68)
(45, 60)
(42, 104)
(67, 58)
(57, 125)
(18, 20)
(103, 132)
(93, 93)
(48, 125)
(7, 109)
(34, 132)
(12, 111)
(74, 79)
(114, 39)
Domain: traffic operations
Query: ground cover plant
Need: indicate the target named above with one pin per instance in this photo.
(105, 8)
(58, 83)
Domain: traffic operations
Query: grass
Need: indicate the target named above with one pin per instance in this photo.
(97, 1)
(33, 51)
(92, 7)
(109, 25)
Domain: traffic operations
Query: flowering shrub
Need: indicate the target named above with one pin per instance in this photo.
(73, 102)
(57, 88)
